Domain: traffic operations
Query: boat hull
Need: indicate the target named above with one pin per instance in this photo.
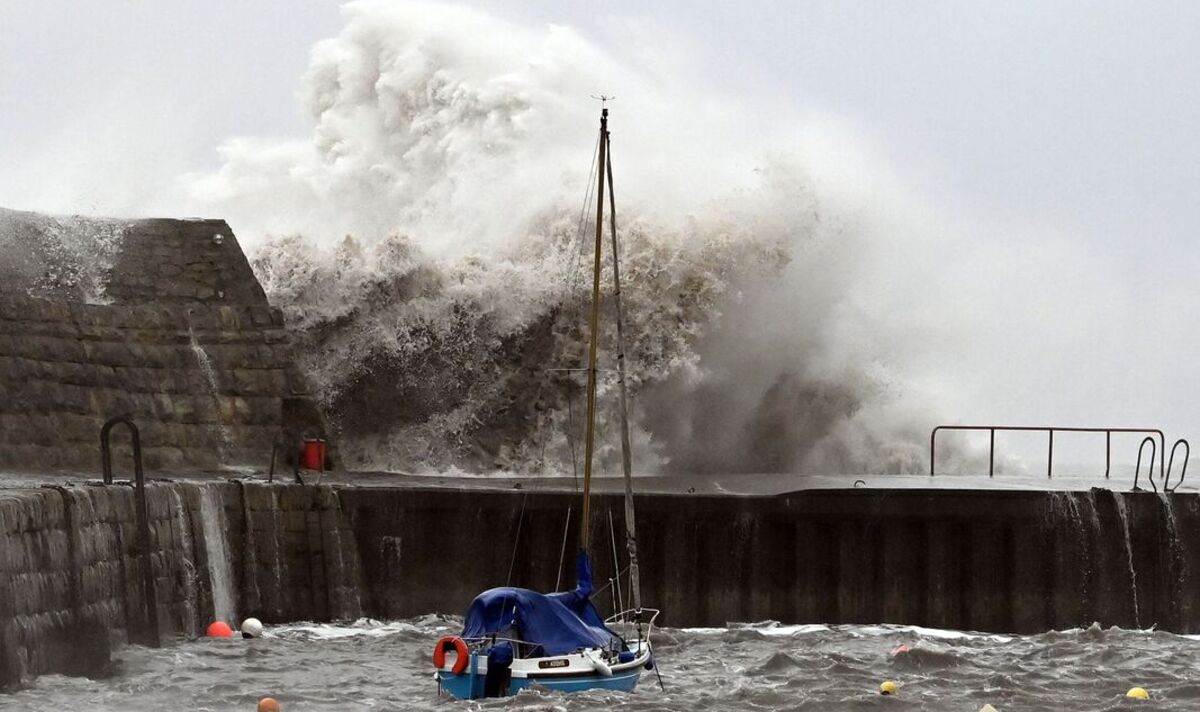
(466, 686)
(576, 672)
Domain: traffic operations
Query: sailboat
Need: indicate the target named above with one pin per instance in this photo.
(516, 638)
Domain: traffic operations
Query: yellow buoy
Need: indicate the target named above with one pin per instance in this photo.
(1137, 693)
(887, 687)
(988, 708)
(269, 704)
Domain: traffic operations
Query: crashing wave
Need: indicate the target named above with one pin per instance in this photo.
(450, 146)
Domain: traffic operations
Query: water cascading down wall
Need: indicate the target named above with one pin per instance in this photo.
(1005, 561)
(164, 322)
(72, 585)
(987, 560)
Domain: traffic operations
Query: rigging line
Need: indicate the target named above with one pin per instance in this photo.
(537, 398)
(570, 280)
(575, 247)
(612, 537)
(571, 439)
(657, 674)
(575, 274)
(635, 588)
(562, 554)
(601, 429)
(517, 540)
(604, 588)
(584, 212)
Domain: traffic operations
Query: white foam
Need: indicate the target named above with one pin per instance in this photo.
(774, 629)
(361, 628)
(938, 633)
(769, 629)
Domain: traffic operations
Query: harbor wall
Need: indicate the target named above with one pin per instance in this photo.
(71, 583)
(1004, 561)
(158, 320)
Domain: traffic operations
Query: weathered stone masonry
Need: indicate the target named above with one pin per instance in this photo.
(173, 331)
(71, 582)
(989, 560)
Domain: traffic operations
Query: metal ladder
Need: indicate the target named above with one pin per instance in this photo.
(143, 519)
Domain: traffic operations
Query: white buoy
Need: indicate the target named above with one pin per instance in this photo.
(252, 628)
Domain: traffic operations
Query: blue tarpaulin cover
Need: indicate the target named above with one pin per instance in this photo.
(558, 623)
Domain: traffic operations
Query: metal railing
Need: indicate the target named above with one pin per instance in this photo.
(1187, 455)
(142, 514)
(1137, 469)
(1151, 433)
(1166, 473)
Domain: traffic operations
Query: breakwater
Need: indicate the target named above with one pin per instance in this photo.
(72, 584)
(158, 320)
(1008, 561)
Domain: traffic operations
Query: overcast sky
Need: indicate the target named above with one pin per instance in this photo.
(1076, 121)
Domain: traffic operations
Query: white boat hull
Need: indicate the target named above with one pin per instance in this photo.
(575, 672)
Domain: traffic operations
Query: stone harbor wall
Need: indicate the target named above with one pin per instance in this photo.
(181, 261)
(112, 261)
(1002, 561)
(158, 320)
(72, 583)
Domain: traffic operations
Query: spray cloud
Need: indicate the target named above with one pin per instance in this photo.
(425, 245)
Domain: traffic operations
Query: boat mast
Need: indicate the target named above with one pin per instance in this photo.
(590, 432)
(626, 455)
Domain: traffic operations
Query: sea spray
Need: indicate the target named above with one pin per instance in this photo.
(454, 148)
(59, 257)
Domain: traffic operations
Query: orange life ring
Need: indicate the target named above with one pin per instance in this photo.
(460, 647)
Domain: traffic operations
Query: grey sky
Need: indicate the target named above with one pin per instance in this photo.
(1071, 120)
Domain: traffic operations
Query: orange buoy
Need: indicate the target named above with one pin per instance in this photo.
(269, 704)
(219, 629)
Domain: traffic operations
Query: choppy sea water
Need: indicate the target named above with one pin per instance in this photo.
(766, 666)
